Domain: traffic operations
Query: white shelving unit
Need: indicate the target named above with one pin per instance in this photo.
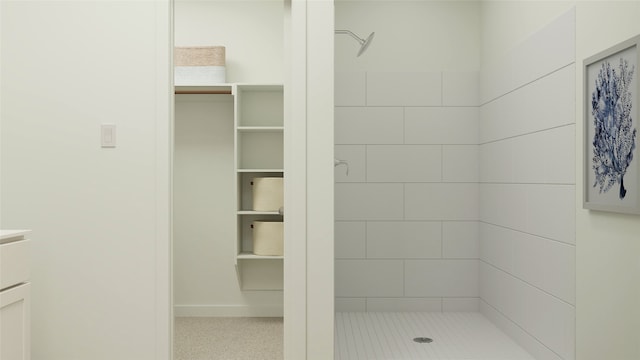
(259, 142)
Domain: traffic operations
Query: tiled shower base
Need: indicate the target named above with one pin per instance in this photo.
(389, 336)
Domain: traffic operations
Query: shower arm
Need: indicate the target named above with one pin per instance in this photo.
(360, 40)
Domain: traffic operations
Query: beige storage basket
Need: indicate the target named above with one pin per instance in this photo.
(268, 193)
(268, 238)
(199, 66)
(199, 56)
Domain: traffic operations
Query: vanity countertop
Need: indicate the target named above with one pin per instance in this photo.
(12, 235)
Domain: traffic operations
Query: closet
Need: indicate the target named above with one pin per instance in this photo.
(226, 136)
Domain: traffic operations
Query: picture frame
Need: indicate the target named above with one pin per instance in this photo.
(612, 129)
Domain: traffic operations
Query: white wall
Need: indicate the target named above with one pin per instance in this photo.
(251, 31)
(205, 279)
(100, 217)
(608, 251)
(426, 36)
(527, 192)
(205, 231)
(406, 231)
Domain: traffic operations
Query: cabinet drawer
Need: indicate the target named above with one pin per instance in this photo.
(15, 261)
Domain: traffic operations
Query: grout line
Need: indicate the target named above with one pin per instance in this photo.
(527, 83)
(527, 133)
(408, 297)
(528, 283)
(520, 327)
(524, 183)
(407, 258)
(408, 106)
(442, 239)
(527, 233)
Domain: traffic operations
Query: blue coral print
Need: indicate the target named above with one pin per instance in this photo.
(614, 139)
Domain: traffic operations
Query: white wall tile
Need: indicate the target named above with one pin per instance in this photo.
(516, 113)
(460, 88)
(441, 201)
(442, 125)
(556, 274)
(404, 89)
(404, 163)
(460, 239)
(545, 157)
(405, 304)
(495, 161)
(551, 212)
(443, 278)
(515, 332)
(404, 240)
(350, 304)
(497, 247)
(460, 163)
(461, 304)
(369, 201)
(504, 205)
(561, 153)
(355, 155)
(350, 239)
(541, 53)
(364, 278)
(520, 254)
(361, 125)
(349, 89)
(550, 320)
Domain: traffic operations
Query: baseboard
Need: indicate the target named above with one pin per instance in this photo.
(227, 311)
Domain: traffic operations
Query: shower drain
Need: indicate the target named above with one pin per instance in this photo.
(423, 340)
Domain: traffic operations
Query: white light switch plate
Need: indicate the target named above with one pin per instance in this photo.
(108, 135)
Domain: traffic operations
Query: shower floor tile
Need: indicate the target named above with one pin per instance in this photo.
(389, 336)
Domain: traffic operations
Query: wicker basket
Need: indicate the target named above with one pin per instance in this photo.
(204, 65)
(199, 56)
(268, 193)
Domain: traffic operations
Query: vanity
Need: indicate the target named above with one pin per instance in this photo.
(15, 320)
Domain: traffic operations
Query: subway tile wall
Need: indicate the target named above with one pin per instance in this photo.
(407, 226)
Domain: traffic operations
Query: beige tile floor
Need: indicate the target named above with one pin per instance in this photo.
(211, 338)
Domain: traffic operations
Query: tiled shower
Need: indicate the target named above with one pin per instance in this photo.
(460, 192)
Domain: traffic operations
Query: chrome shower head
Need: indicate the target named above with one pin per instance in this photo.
(364, 44)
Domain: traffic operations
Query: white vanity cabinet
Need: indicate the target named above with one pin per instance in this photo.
(14, 295)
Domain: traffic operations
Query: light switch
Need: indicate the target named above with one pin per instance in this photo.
(108, 135)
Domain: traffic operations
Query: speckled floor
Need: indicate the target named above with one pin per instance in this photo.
(214, 338)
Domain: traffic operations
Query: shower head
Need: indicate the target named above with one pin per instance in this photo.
(364, 44)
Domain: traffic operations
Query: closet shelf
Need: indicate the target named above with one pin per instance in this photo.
(260, 128)
(254, 212)
(221, 89)
(260, 170)
(250, 256)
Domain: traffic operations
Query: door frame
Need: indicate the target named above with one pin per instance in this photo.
(308, 160)
(309, 208)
